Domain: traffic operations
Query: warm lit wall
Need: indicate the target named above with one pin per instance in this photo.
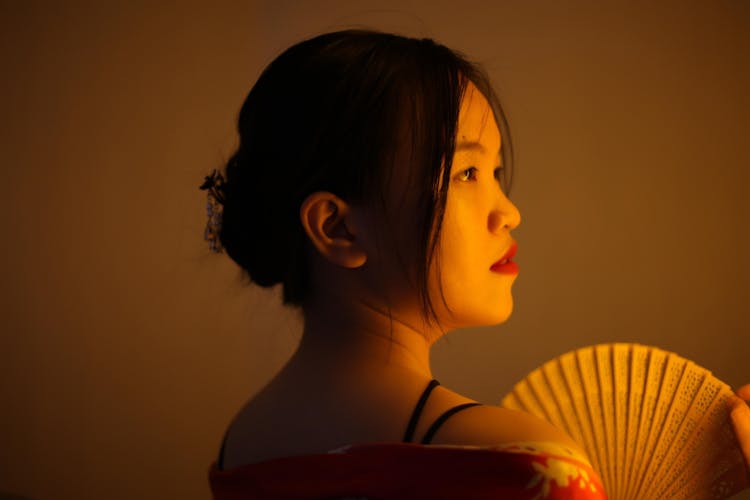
(127, 346)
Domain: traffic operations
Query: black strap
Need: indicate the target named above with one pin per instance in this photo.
(433, 429)
(420, 406)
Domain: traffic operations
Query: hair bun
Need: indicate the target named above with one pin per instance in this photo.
(258, 230)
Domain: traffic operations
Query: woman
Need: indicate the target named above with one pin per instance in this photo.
(372, 181)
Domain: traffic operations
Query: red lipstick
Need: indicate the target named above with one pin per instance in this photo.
(505, 265)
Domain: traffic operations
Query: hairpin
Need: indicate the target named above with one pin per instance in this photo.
(214, 185)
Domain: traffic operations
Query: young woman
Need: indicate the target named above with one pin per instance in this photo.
(372, 182)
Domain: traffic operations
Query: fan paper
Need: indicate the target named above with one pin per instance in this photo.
(654, 424)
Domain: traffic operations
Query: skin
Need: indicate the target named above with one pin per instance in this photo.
(347, 328)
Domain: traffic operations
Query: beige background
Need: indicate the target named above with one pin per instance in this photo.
(127, 346)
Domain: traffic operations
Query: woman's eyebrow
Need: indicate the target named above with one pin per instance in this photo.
(471, 145)
(474, 146)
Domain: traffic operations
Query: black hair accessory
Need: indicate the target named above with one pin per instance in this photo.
(214, 184)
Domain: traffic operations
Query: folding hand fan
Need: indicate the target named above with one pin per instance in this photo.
(654, 425)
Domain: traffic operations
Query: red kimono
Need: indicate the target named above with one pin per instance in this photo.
(532, 470)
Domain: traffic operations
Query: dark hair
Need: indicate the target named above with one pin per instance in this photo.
(329, 114)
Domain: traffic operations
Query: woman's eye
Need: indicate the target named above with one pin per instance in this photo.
(470, 169)
(463, 175)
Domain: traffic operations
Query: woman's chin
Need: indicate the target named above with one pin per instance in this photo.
(502, 313)
(491, 317)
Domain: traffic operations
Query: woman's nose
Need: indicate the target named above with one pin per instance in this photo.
(505, 216)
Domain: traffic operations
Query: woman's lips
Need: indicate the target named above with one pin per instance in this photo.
(509, 267)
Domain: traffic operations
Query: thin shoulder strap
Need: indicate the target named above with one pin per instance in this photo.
(433, 429)
(420, 406)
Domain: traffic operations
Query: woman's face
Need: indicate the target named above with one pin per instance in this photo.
(476, 226)
(475, 234)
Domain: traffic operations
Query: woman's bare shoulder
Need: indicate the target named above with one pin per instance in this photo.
(284, 421)
(490, 425)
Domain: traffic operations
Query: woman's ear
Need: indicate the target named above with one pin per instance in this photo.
(331, 227)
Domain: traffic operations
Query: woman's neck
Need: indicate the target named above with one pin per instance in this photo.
(355, 336)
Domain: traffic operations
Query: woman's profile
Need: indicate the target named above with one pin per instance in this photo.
(371, 181)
